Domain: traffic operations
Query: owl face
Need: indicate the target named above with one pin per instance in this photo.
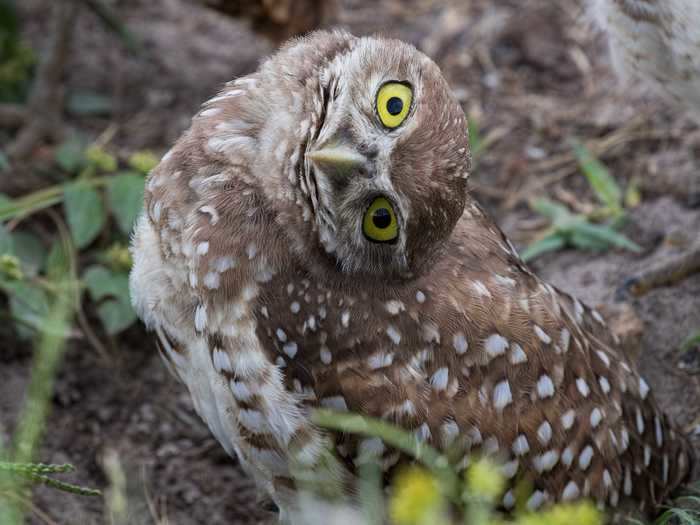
(386, 162)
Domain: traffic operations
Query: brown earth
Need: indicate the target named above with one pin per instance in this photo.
(533, 74)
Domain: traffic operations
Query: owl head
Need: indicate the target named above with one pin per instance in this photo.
(364, 152)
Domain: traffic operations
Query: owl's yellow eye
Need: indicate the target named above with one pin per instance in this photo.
(393, 103)
(379, 223)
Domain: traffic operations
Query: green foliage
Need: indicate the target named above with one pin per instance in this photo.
(50, 325)
(110, 290)
(476, 143)
(580, 231)
(125, 197)
(16, 59)
(84, 212)
(434, 491)
(601, 181)
(95, 193)
(39, 473)
(690, 342)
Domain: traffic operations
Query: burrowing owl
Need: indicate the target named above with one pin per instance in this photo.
(311, 241)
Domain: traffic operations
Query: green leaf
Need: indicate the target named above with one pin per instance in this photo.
(633, 194)
(475, 140)
(102, 282)
(603, 184)
(88, 103)
(29, 305)
(116, 315)
(69, 155)
(550, 243)
(607, 235)
(111, 291)
(84, 212)
(58, 261)
(690, 342)
(7, 245)
(555, 212)
(30, 250)
(125, 198)
(584, 241)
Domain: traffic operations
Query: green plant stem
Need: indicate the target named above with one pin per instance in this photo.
(397, 438)
(48, 354)
(42, 199)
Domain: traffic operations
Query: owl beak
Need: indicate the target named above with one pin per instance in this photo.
(337, 159)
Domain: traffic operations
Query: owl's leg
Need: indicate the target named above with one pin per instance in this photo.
(668, 272)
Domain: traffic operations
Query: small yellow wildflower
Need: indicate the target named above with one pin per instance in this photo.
(118, 257)
(100, 159)
(143, 161)
(11, 267)
(416, 498)
(581, 513)
(485, 480)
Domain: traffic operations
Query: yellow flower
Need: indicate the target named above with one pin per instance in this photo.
(143, 161)
(581, 513)
(11, 267)
(416, 498)
(485, 480)
(102, 160)
(118, 257)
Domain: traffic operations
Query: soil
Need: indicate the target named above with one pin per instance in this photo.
(533, 74)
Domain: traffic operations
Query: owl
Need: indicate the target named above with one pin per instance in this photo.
(310, 241)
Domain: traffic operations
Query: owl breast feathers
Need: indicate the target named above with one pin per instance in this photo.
(310, 242)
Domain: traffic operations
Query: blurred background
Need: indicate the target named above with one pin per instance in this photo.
(93, 92)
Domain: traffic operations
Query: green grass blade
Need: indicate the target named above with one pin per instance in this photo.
(550, 243)
(690, 342)
(555, 212)
(607, 235)
(395, 437)
(603, 184)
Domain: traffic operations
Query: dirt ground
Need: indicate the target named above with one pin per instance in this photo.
(533, 74)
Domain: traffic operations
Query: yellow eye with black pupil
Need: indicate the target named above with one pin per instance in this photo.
(379, 223)
(393, 103)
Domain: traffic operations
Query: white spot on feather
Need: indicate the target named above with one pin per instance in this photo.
(545, 387)
(542, 335)
(521, 446)
(495, 345)
(200, 317)
(517, 355)
(439, 379)
(393, 334)
(502, 396)
(584, 459)
(459, 341)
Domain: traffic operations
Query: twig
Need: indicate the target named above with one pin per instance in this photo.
(46, 99)
(85, 327)
(565, 163)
